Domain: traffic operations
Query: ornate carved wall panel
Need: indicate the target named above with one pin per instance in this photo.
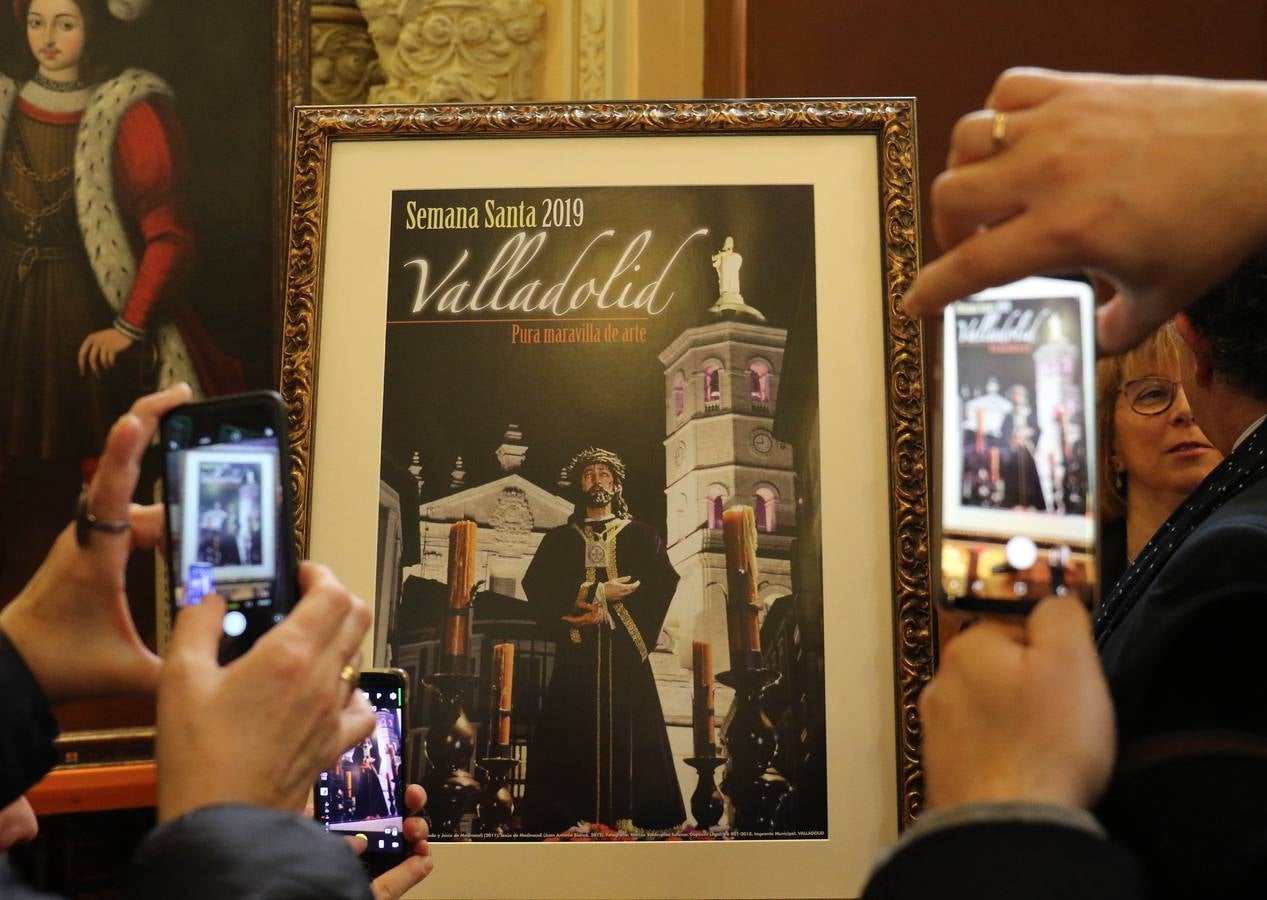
(455, 50)
(344, 64)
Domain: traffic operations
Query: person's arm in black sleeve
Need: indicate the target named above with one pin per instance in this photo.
(27, 727)
(1003, 852)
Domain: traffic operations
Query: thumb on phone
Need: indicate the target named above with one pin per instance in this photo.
(196, 637)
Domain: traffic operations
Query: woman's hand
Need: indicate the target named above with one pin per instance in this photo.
(101, 349)
(71, 623)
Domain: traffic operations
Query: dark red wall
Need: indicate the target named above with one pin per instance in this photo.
(947, 53)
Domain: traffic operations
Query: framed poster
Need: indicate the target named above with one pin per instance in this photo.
(590, 334)
(132, 254)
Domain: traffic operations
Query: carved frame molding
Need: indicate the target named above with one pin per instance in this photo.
(891, 120)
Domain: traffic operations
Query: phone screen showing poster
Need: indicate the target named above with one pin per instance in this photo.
(1019, 489)
(361, 793)
(224, 495)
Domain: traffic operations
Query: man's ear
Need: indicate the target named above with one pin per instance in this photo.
(1199, 344)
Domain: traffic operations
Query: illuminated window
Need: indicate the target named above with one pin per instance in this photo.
(759, 381)
(716, 505)
(765, 508)
(712, 384)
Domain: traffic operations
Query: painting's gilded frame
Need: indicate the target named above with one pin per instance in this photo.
(291, 23)
(891, 121)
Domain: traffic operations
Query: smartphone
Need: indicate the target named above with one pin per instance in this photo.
(364, 792)
(226, 486)
(1018, 479)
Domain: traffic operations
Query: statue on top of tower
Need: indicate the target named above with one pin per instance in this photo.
(727, 263)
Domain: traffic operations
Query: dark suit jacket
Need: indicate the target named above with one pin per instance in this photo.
(1186, 803)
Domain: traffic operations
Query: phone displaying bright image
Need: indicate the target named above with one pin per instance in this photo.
(229, 522)
(1018, 479)
(363, 792)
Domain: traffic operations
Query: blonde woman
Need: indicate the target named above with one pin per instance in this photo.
(1152, 452)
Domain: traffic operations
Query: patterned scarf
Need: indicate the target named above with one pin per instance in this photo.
(1243, 467)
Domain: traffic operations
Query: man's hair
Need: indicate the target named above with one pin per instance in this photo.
(1232, 316)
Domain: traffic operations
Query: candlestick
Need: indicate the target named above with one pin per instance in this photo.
(702, 711)
(739, 529)
(462, 538)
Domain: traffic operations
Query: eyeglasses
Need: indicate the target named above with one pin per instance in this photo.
(1151, 396)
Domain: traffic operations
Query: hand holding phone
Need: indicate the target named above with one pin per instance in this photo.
(229, 522)
(363, 793)
(257, 731)
(1018, 483)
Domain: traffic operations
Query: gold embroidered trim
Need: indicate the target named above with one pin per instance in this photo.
(627, 620)
(575, 635)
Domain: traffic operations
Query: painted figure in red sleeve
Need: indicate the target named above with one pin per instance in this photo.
(95, 242)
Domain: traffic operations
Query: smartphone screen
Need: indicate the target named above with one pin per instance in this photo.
(228, 525)
(363, 793)
(1018, 479)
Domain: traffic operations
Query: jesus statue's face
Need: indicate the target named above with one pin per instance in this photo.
(598, 484)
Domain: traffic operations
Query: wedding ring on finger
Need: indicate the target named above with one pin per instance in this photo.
(86, 523)
(349, 676)
(998, 131)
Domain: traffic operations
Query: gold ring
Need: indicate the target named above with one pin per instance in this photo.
(348, 675)
(998, 131)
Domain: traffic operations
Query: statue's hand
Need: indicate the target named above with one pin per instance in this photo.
(583, 615)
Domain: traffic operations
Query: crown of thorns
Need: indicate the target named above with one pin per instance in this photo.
(591, 455)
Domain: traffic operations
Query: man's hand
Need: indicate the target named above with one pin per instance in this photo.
(1157, 186)
(392, 884)
(1020, 712)
(260, 729)
(71, 623)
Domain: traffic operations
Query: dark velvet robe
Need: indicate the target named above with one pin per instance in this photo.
(600, 752)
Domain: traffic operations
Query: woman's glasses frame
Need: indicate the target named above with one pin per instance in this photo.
(1136, 389)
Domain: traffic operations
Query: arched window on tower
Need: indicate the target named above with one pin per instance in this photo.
(712, 383)
(759, 381)
(679, 394)
(716, 505)
(766, 508)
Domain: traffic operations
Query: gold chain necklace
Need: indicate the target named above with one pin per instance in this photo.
(34, 216)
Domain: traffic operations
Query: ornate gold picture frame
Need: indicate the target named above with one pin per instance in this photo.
(368, 181)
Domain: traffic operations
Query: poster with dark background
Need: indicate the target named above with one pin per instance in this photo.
(454, 380)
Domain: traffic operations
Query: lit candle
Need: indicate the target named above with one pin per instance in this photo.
(994, 464)
(739, 529)
(504, 672)
(980, 440)
(462, 536)
(702, 716)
